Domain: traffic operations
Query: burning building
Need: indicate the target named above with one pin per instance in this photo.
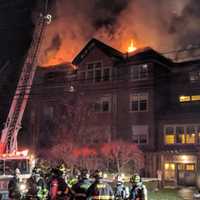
(140, 96)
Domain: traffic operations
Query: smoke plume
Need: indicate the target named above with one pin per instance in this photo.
(162, 25)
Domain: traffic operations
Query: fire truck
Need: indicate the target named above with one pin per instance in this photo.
(10, 157)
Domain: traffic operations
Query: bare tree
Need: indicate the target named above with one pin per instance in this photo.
(121, 153)
(86, 157)
(63, 151)
(77, 120)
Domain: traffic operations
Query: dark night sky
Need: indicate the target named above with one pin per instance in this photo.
(15, 27)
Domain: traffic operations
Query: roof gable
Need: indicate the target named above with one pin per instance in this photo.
(109, 51)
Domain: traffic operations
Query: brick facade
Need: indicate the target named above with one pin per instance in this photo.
(129, 104)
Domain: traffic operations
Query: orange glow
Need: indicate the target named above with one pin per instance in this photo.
(55, 58)
(131, 47)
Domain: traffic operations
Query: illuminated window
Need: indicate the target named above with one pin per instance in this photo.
(190, 135)
(190, 167)
(169, 171)
(184, 98)
(139, 102)
(180, 136)
(181, 167)
(169, 166)
(198, 134)
(139, 72)
(195, 97)
(169, 135)
(140, 134)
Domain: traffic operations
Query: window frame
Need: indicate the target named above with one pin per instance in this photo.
(189, 98)
(138, 68)
(138, 136)
(100, 102)
(185, 126)
(139, 98)
(195, 75)
(94, 70)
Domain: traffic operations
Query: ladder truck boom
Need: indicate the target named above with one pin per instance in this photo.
(8, 141)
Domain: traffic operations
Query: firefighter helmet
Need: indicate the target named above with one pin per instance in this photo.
(98, 174)
(119, 178)
(135, 179)
(85, 173)
(37, 171)
(61, 168)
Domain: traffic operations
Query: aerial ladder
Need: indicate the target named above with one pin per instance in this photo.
(8, 141)
(10, 157)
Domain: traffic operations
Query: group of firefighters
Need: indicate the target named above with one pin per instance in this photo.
(55, 186)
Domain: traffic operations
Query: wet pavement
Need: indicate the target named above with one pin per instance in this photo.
(187, 193)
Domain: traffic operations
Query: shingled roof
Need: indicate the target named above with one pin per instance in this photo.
(111, 52)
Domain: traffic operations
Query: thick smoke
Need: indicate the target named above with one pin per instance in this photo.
(162, 25)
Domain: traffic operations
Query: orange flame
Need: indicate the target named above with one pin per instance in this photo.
(131, 47)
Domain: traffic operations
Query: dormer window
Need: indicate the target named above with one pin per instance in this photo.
(139, 72)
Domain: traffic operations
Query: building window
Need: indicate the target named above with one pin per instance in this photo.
(184, 98)
(190, 167)
(139, 102)
(97, 73)
(194, 76)
(195, 97)
(98, 69)
(198, 134)
(169, 135)
(106, 74)
(190, 98)
(182, 134)
(169, 171)
(103, 104)
(139, 72)
(140, 134)
(190, 135)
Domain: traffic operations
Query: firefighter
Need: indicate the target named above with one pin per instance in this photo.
(79, 190)
(58, 188)
(138, 190)
(14, 186)
(37, 188)
(100, 189)
(120, 191)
